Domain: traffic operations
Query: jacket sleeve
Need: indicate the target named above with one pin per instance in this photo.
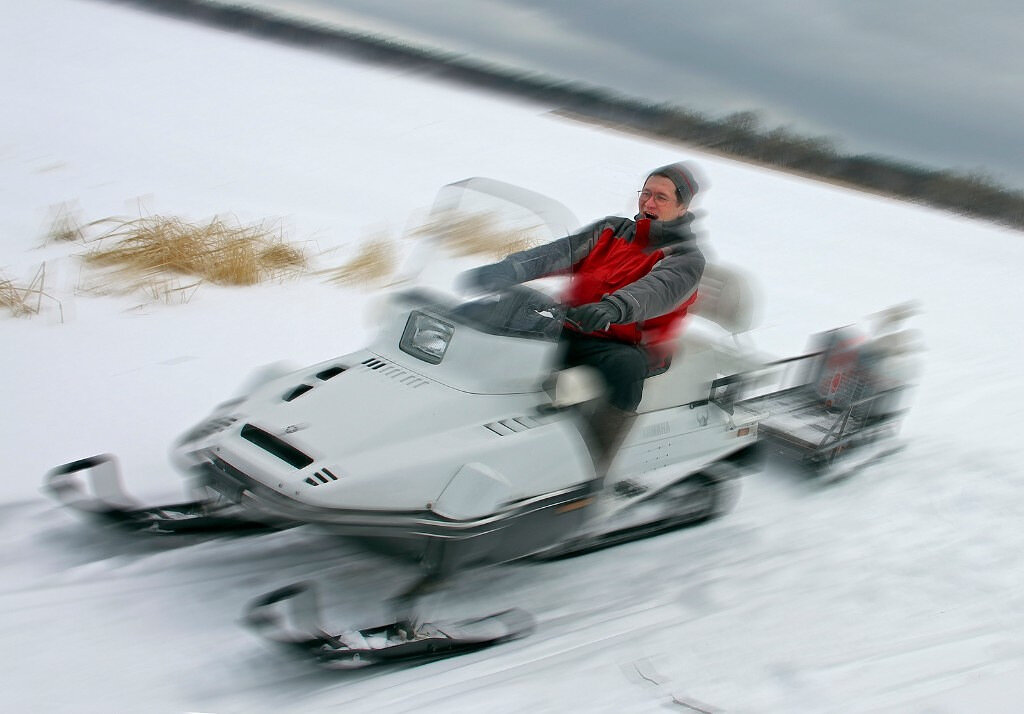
(558, 256)
(672, 281)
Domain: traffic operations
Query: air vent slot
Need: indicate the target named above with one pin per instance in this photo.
(208, 428)
(278, 447)
(389, 370)
(297, 392)
(330, 372)
(321, 477)
(511, 426)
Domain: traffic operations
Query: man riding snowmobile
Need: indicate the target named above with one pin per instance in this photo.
(631, 283)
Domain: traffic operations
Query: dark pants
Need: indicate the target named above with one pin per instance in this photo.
(622, 365)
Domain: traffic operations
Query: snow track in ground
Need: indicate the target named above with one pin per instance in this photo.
(786, 580)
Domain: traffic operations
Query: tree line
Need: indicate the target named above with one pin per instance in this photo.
(741, 135)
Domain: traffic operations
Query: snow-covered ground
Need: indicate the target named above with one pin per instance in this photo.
(900, 590)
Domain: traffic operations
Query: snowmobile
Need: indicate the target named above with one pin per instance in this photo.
(452, 441)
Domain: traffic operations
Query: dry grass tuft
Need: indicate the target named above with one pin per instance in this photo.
(375, 263)
(477, 234)
(14, 298)
(65, 224)
(147, 249)
(25, 301)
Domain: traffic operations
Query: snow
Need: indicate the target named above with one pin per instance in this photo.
(899, 590)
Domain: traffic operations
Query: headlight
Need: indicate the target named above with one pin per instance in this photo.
(426, 337)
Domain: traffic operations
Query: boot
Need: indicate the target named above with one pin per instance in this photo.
(609, 426)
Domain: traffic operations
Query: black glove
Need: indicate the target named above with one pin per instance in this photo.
(488, 277)
(595, 316)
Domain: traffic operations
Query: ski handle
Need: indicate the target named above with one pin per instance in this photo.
(289, 615)
(64, 483)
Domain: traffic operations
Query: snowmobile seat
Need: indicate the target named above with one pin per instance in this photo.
(686, 379)
(680, 370)
(725, 297)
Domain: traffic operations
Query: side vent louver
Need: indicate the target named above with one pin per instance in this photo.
(321, 477)
(278, 447)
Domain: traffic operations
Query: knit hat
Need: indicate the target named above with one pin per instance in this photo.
(680, 175)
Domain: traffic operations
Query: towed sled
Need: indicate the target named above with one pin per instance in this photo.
(838, 407)
(450, 440)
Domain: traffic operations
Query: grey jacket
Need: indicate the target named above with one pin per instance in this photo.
(647, 268)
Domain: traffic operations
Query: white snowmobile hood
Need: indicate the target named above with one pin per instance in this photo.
(376, 435)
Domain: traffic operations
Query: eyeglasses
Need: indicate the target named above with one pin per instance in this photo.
(659, 198)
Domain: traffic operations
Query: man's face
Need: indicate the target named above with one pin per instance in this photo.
(658, 200)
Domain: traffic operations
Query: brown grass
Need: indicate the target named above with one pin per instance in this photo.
(14, 298)
(65, 225)
(477, 234)
(26, 300)
(147, 250)
(168, 258)
(375, 263)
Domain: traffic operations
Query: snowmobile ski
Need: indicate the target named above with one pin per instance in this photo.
(106, 501)
(290, 615)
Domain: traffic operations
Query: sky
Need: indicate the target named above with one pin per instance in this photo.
(933, 83)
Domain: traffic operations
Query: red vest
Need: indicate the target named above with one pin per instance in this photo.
(614, 263)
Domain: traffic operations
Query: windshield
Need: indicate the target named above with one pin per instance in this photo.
(473, 223)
